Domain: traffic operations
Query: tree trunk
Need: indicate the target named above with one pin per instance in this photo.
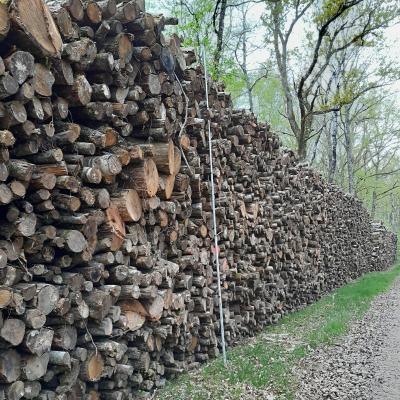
(333, 147)
(249, 90)
(373, 204)
(301, 147)
(374, 193)
(220, 37)
(349, 150)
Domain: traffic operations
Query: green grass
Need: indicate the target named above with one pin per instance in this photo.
(265, 364)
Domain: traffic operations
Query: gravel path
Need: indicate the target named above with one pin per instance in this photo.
(363, 365)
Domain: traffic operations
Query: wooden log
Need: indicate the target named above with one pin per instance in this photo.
(46, 298)
(43, 181)
(102, 198)
(17, 189)
(83, 52)
(39, 341)
(166, 186)
(36, 30)
(163, 156)
(92, 369)
(7, 139)
(129, 204)
(75, 8)
(103, 62)
(25, 93)
(60, 358)
(4, 21)
(16, 390)
(5, 294)
(65, 338)
(146, 38)
(34, 318)
(150, 309)
(143, 177)
(8, 86)
(67, 202)
(10, 366)
(60, 108)
(32, 389)
(5, 194)
(13, 331)
(91, 175)
(126, 12)
(48, 157)
(43, 80)
(101, 92)
(65, 25)
(107, 164)
(108, 8)
(119, 46)
(130, 320)
(142, 53)
(35, 367)
(66, 132)
(102, 31)
(74, 240)
(115, 226)
(99, 304)
(15, 114)
(151, 84)
(62, 72)
(21, 170)
(3, 172)
(177, 161)
(93, 12)
(93, 136)
(21, 65)
(79, 94)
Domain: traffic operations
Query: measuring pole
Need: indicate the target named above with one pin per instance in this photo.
(216, 247)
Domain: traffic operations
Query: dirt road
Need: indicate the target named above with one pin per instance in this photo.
(363, 365)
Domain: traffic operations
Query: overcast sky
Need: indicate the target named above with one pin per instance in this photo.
(392, 38)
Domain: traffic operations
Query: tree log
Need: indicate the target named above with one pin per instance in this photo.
(129, 205)
(143, 178)
(36, 29)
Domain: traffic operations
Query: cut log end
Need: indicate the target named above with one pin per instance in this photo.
(35, 22)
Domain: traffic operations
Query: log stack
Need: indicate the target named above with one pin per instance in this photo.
(107, 282)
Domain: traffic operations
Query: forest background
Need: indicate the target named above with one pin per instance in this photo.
(323, 73)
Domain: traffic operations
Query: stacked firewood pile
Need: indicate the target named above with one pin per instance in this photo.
(384, 244)
(287, 237)
(107, 280)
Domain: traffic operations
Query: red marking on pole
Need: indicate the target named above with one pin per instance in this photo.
(215, 251)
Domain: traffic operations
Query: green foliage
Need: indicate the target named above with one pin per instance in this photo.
(363, 70)
(329, 9)
(264, 364)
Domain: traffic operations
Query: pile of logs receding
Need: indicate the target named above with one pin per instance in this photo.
(106, 274)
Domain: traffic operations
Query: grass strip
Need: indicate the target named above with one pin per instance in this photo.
(264, 364)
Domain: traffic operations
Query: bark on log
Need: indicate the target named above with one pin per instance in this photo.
(4, 21)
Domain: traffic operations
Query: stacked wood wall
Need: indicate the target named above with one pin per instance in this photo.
(107, 281)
